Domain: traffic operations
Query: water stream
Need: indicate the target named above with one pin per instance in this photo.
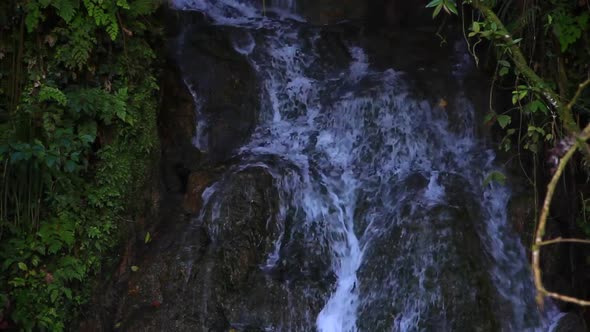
(385, 184)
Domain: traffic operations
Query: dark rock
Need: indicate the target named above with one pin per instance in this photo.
(331, 11)
(229, 127)
(570, 322)
(521, 214)
(197, 182)
(427, 249)
(225, 85)
(209, 275)
(390, 14)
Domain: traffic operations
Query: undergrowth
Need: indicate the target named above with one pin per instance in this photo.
(78, 103)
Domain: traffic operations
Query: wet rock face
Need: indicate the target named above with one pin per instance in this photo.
(570, 322)
(378, 13)
(197, 182)
(396, 13)
(225, 86)
(433, 247)
(212, 275)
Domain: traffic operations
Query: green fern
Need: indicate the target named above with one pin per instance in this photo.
(34, 15)
(104, 15)
(76, 139)
(144, 7)
(49, 93)
(66, 9)
(81, 43)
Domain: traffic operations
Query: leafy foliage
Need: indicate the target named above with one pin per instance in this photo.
(81, 99)
(541, 51)
(449, 6)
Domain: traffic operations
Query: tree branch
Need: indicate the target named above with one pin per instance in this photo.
(561, 240)
(543, 222)
(565, 113)
(581, 88)
(521, 64)
(566, 298)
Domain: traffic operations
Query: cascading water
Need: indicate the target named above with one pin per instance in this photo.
(382, 186)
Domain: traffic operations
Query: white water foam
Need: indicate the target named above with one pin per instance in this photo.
(341, 140)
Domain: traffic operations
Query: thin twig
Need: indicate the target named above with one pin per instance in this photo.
(565, 298)
(581, 88)
(561, 240)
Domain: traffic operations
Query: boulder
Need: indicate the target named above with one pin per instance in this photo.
(212, 274)
(425, 268)
(224, 85)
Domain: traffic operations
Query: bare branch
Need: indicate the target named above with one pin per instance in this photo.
(565, 112)
(561, 240)
(565, 298)
(543, 222)
(581, 88)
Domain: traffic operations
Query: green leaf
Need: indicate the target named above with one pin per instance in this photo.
(148, 237)
(17, 156)
(535, 106)
(54, 295)
(437, 10)
(123, 4)
(451, 7)
(504, 120)
(66, 9)
(54, 247)
(489, 117)
(433, 3)
(51, 160)
(134, 268)
(48, 93)
(68, 293)
(475, 26)
(22, 266)
(533, 129)
(70, 166)
(495, 176)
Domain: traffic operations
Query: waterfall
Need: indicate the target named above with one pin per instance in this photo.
(386, 182)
